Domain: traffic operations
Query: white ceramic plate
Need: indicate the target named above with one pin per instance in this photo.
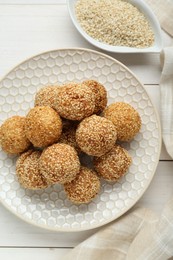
(50, 208)
(144, 8)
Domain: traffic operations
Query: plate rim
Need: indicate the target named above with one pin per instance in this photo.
(62, 229)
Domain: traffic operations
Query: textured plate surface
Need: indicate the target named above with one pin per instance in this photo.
(50, 208)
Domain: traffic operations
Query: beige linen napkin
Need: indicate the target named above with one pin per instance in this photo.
(164, 12)
(166, 94)
(141, 235)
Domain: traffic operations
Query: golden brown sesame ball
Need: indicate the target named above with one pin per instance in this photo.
(68, 136)
(76, 101)
(100, 95)
(59, 163)
(47, 96)
(28, 172)
(43, 126)
(12, 135)
(114, 164)
(96, 135)
(125, 118)
(84, 187)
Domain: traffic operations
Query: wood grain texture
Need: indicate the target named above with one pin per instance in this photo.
(33, 253)
(32, 2)
(27, 30)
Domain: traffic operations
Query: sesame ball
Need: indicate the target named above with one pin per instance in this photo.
(68, 136)
(125, 118)
(12, 135)
(100, 95)
(96, 135)
(114, 164)
(28, 172)
(84, 187)
(47, 96)
(59, 163)
(76, 101)
(43, 126)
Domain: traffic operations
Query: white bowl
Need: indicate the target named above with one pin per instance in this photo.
(144, 8)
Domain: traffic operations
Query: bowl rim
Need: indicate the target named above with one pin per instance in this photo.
(151, 17)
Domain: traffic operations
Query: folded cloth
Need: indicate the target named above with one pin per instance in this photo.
(164, 12)
(140, 235)
(155, 240)
(166, 98)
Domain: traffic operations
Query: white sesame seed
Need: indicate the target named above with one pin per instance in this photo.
(115, 22)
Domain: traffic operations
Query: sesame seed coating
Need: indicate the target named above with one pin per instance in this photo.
(125, 118)
(59, 163)
(96, 135)
(100, 95)
(75, 101)
(43, 126)
(28, 172)
(12, 135)
(114, 164)
(68, 136)
(47, 96)
(84, 187)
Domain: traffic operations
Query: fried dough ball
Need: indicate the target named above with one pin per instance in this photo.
(28, 172)
(100, 95)
(43, 126)
(75, 101)
(96, 135)
(114, 164)
(125, 118)
(84, 187)
(47, 96)
(12, 135)
(59, 163)
(68, 136)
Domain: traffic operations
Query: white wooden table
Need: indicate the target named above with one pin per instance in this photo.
(28, 27)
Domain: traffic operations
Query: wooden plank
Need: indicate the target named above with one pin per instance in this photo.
(15, 232)
(27, 30)
(154, 93)
(33, 253)
(33, 2)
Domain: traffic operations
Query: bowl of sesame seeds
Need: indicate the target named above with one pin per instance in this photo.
(118, 26)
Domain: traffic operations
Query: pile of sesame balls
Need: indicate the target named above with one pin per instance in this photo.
(66, 122)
